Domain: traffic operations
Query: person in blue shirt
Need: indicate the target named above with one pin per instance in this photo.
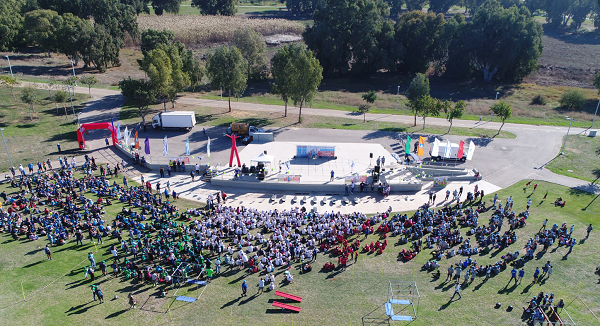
(244, 288)
(513, 275)
(521, 274)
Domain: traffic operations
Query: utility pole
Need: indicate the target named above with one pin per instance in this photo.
(397, 94)
(9, 66)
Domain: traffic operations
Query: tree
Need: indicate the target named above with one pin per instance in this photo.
(412, 5)
(307, 80)
(573, 99)
(170, 6)
(157, 65)
(61, 97)
(482, 44)
(352, 36)
(9, 82)
(395, 8)
(455, 112)
(50, 85)
(418, 88)
(71, 81)
(283, 72)
(227, 68)
(193, 68)
(11, 22)
(89, 81)
(140, 94)
(370, 97)
(152, 37)
(503, 111)
(40, 29)
(428, 107)
(420, 33)
(139, 6)
(253, 48)
(216, 7)
(579, 11)
(441, 6)
(597, 81)
(30, 97)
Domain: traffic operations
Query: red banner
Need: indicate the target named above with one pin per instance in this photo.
(461, 148)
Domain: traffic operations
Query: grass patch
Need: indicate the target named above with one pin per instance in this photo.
(580, 159)
(338, 298)
(33, 141)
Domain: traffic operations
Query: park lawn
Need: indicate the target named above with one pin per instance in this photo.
(222, 118)
(338, 298)
(33, 141)
(580, 158)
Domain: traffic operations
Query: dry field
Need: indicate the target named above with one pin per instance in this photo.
(197, 30)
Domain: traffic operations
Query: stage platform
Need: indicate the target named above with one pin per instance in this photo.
(352, 160)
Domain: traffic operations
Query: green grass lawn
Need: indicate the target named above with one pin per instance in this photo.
(580, 159)
(57, 293)
(33, 141)
(221, 118)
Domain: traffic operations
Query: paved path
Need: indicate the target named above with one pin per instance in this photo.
(502, 161)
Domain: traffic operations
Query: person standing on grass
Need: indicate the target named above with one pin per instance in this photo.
(513, 275)
(535, 275)
(450, 272)
(535, 187)
(100, 294)
(456, 291)
(48, 252)
(261, 286)
(521, 274)
(528, 204)
(94, 293)
(244, 288)
(132, 301)
(589, 229)
(544, 225)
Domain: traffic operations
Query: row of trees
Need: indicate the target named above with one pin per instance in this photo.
(353, 37)
(87, 30)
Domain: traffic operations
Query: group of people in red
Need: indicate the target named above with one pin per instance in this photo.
(378, 247)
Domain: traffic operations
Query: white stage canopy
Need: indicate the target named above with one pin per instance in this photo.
(263, 158)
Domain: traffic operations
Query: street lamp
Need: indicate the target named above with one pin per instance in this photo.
(77, 115)
(7, 58)
(397, 93)
(71, 98)
(4, 140)
(497, 93)
(595, 115)
(73, 66)
(565, 142)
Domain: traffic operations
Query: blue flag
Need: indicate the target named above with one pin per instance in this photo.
(147, 146)
(112, 123)
(118, 131)
(187, 146)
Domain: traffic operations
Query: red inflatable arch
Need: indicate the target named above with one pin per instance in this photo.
(91, 126)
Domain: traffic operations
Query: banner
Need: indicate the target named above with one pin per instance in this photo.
(357, 179)
(440, 182)
(208, 148)
(165, 147)
(289, 178)
(420, 152)
(184, 159)
(407, 149)
(137, 141)
(187, 146)
(461, 149)
(126, 136)
(118, 131)
(435, 149)
(147, 146)
(314, 151)
(470, 150)
(448, 150)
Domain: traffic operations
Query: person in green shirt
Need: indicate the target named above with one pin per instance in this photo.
(209, 274)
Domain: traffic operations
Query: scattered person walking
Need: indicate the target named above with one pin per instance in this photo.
(589, 229)
(456, 291)
(48, 252)
(244, 288)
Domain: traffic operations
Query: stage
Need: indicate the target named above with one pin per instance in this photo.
(287, 172)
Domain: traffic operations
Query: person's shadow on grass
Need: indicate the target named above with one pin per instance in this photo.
(526, 289)
(446, 305)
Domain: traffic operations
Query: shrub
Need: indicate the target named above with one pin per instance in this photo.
(573, 99)
(539, 100)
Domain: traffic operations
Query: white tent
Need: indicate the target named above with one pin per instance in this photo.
(263, 158)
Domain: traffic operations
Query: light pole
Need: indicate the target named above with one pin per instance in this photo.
(567, 136)
(496, 100)
(397, 93)
(71, 98)
(4, 140)
(78, 124)
(9, 66)
(73, 66)
(595, 115)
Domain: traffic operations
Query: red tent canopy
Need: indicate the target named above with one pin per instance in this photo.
(91, 126)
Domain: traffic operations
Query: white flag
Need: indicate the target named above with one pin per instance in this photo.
(126, 136)
(448, 149)
(471, 150)
(435, 149)
(165, 147)
(208, 148)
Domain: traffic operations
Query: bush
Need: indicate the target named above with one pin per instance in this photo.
(539, 100)
(573, 99)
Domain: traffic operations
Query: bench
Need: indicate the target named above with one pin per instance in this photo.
(273, 198)
(288, 296)
(346, 200)
(286, 306)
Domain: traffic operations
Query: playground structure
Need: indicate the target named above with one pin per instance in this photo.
(553, 318)
(92, 126)
(187, 273)
(405, 296)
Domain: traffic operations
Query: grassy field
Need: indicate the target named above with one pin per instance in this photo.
(222, 118)
(57, 293)
(33, 141)
(580, 159)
